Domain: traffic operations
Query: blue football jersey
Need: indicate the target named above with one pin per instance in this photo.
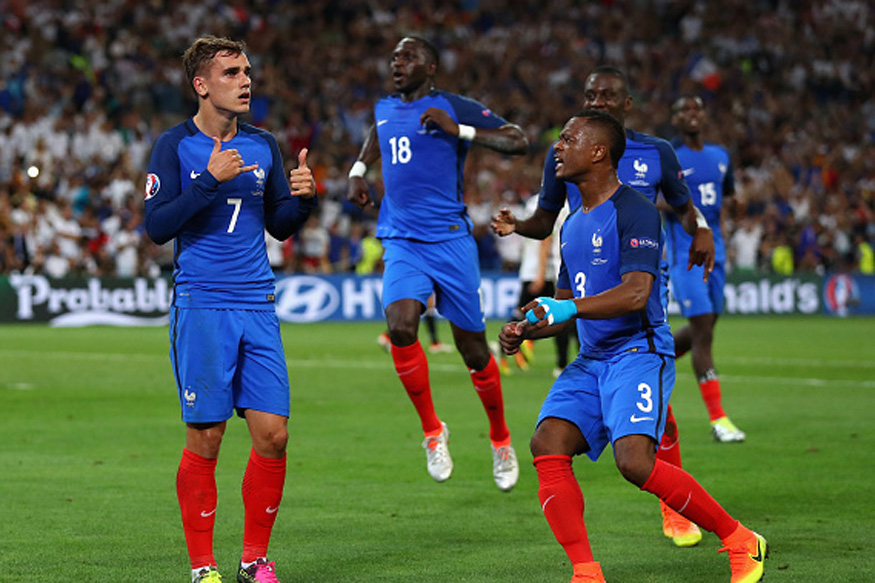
(423, 166)
(649, 165)
(621, 235)
(220, 258)
(709, 175)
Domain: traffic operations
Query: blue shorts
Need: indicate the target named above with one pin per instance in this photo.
(227, 359)
(414, 269)
(695, 296)
(609, 399)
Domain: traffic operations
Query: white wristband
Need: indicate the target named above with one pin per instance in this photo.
(358, 169)
(701, 223)
(467, 133)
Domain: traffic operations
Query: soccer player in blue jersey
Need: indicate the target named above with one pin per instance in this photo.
(214, 185)
(650, 165)
(708, 172)
(617, 389)
(422, 135)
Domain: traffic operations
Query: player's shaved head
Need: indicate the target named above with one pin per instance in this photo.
(609, 129)
(431, 50)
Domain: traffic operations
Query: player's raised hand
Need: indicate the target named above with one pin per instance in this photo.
(504, 223)
(511, 336)
(435, 116)
(226, 165)
(301, 178)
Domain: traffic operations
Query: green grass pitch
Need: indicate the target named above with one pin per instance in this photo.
(90, 438)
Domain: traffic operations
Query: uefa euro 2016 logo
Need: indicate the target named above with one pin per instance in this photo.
(840, 292)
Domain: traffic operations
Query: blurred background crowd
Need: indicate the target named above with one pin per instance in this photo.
(86, 87)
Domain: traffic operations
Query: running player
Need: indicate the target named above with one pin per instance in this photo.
(708, 172)
(422, 135)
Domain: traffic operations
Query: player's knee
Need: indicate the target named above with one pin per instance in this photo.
(476, 358)
(273, 444)
(402, 335)
(634, 469)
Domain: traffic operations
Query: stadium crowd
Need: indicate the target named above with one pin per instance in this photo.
(86, 87)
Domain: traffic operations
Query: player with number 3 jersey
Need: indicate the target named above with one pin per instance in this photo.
(617, 390)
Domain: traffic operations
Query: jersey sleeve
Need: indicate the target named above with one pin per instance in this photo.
(640, 231)
(168, 209)
(729, 178)
(553, 191)
(284, 214)
(673, 186)
(474, 113)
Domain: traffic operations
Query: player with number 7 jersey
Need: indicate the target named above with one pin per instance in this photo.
(220, 259)
(215, 185)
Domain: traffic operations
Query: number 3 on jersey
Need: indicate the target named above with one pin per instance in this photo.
(580, 283)
(401, 152)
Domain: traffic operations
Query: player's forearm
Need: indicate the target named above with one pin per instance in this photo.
(530, 333)
(508, 139)
(166, 218)
(629, 296)
(288, 216)
(692, 218)
(538, 226)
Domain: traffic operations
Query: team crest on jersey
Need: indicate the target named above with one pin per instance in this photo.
(486, 113)
(640, 169)
(597, 258)
(259, 182)
(153, 185)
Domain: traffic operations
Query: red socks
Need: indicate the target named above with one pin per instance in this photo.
(196, 491)
(487, 382)
(681, 492)
(669, 447)
(562, 503)
(262, 492)
(412, 368)
(710, 390)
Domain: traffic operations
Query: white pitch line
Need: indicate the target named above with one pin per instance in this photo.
(804, 362)
(811, 382)
(385, 362)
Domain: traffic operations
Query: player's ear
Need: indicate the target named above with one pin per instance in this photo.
(599, 152)
(200, 86)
